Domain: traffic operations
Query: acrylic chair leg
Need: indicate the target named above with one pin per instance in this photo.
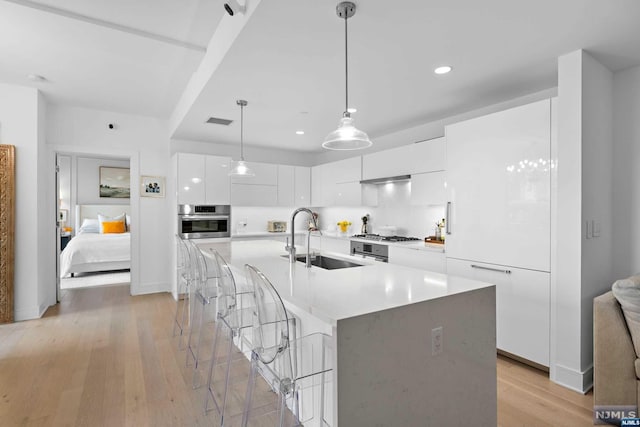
(190, 353)
(250, 385)
(226, 379)
(186, 302)
(214, 349)
(197, 355)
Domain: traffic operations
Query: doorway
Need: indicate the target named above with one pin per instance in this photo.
(93, 204)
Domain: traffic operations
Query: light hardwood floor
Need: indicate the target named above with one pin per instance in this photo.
(104, 358)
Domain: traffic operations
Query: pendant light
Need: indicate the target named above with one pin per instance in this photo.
(346, 137)
(241, 168)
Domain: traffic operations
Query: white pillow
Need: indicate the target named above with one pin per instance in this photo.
(627, 292)
(89, 225)
(103, 218)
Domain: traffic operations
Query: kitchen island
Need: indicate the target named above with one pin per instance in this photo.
(411, 347)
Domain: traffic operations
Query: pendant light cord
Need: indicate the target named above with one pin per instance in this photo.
(242, 132)
(346, 69)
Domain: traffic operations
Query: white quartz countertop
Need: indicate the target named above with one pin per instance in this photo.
(414, 244)
(332, 295)
(264, 233)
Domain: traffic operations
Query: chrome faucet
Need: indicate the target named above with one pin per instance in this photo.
(292, 247)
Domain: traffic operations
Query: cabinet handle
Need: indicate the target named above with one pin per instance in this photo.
(447, 225)
(491, 269)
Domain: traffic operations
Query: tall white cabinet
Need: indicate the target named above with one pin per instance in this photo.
(499, 218)
(202, 179)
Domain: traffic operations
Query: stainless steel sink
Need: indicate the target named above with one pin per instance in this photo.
(326, 262)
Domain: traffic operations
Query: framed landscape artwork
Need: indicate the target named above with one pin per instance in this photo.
(115, 182)
(152, 186)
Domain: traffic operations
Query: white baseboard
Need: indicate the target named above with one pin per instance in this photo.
(151, 288)
(20, 314)
(580, 381)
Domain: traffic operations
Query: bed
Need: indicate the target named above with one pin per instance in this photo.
(90, 250)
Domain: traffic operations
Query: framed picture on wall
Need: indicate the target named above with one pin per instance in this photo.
(152, 186)
(115, 182)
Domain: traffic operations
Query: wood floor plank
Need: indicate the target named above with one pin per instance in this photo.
(104, 358)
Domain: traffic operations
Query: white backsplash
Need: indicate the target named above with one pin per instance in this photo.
(393, 208)
(255, 218)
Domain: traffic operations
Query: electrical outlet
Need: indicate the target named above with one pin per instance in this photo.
(436, 341)
(589, 229)
(596, 228)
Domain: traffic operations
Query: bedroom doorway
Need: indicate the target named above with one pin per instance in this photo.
(93, 224)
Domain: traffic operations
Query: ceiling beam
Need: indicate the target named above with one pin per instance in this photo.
(107, 24)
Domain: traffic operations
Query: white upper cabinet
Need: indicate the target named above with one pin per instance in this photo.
(265, 174)
(191, 179)
(302, 186)
(286, 185)
(347, 170)
(202, 179)
(425, 156)
(338, 184)
(258, 190)
(217, 188)
(498, 183)
(428, 189)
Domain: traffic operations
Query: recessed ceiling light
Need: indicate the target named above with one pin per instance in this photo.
(36, 78)
(442, 70)
(352, 110)
(299, 132)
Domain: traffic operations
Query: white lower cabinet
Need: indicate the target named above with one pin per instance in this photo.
(331, 244)
(416, 258)
(522, 306)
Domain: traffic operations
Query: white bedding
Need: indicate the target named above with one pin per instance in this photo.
(96, 252)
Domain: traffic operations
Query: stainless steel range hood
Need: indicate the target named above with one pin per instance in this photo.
(378, 181)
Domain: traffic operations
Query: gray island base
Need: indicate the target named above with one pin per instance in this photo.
(410, 347)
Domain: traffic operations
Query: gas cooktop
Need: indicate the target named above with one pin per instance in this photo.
(380, 238)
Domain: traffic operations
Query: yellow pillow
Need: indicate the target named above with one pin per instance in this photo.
(113, 227)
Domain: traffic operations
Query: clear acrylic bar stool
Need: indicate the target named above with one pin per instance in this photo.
(184, 280)
(232, 319)
(204, 295)
(298, 370)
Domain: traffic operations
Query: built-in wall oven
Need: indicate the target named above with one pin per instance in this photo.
(204, 221)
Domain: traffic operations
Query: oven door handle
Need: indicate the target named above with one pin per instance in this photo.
(201, 217)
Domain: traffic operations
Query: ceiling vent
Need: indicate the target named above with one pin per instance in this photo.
(218, 121)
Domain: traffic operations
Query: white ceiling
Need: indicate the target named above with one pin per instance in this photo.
(289, 58)
(137, 57)
(116, 55)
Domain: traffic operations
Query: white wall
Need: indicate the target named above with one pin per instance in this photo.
(251, 154)
(145, 142)
(20, 115)
(88, 180)
(582, 266)
(626, 173)
(393, 208)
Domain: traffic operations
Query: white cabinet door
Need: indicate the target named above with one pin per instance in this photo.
(498, 181)
(425, 156)
(265, 174)
(422, 259)
(347, 170)
(522, 306)
(254, 195)
(191, 179)
(217, 183)
(317, 186)
(428, 189)
(302, 186)
(286, 185)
